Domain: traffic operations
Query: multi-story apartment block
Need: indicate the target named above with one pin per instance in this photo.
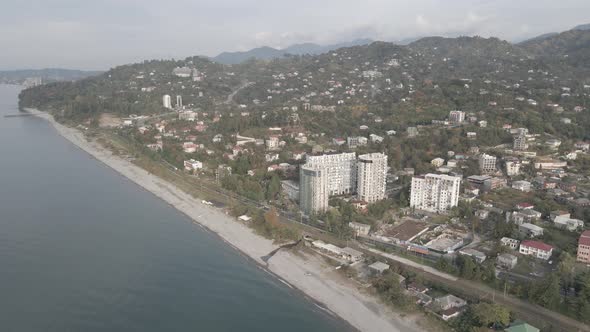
(520, 142)
(167, 101)
(313, 189)
(435, 192)
(487, 163)
(371, 176)
(584, 248)
(272, 143)
(179, 101)
(512, 167)
(456, 116)
(340, 169)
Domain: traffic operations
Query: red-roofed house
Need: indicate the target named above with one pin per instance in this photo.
(536, 248)
(584, 247)
(525, 206)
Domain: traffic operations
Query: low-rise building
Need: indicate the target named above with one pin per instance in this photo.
(437, 162)
(376, 138)
(521, 185)
(530, 230)
(379, 268)
(192, 165)
(354, 142)
(549, 164)
(449, 301)
(348, 254)
(406, 232)
(359, 229)
(566, 222)
(477, 255)
(536, 248)
(510, 243)
(553, 143)
(507, 261)
(518, 326)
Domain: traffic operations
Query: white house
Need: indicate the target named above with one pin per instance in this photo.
(192, 165)
(507, 261)
(521, 185)
(568, 223)
(536, 248)
(509, 242)
(437, 162)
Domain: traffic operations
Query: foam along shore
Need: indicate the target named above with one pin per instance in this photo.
(309, 273)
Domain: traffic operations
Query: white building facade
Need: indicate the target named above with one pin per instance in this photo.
(487, 163)
(313, 189)
(435, 192)
(167, 101)
(456, 116)
(340, 169)
(371, 177)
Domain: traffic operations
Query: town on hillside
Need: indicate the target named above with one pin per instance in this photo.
(466, 156)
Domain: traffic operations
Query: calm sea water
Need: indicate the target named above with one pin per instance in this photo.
(84, 249)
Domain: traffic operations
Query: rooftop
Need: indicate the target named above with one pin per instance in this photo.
(521, 327)
(407, 231)
(537, 245)
(379, 266)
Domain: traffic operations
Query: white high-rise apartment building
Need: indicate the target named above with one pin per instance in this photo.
(313, 189)
(179, 101)
(435, 192)
(167, 101)
(341, 171)
(371, 177)
(456, 116)
(487, 163)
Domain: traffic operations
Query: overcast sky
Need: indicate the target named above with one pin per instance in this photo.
(99, 34)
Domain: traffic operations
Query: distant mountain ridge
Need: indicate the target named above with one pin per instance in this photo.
(574, 45)
(267, 53)
(582, 27)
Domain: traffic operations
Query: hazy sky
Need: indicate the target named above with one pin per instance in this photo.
(98, 34)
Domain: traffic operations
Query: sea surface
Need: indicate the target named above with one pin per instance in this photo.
(84, 249)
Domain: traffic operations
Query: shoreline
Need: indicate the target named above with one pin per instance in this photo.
(309, 275)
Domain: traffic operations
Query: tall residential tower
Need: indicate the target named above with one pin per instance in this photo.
(341, 169)
(371, 176)
(435, 192)
(313, 189)
(167, 101)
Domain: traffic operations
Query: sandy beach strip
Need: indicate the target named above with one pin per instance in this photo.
(309, 274)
